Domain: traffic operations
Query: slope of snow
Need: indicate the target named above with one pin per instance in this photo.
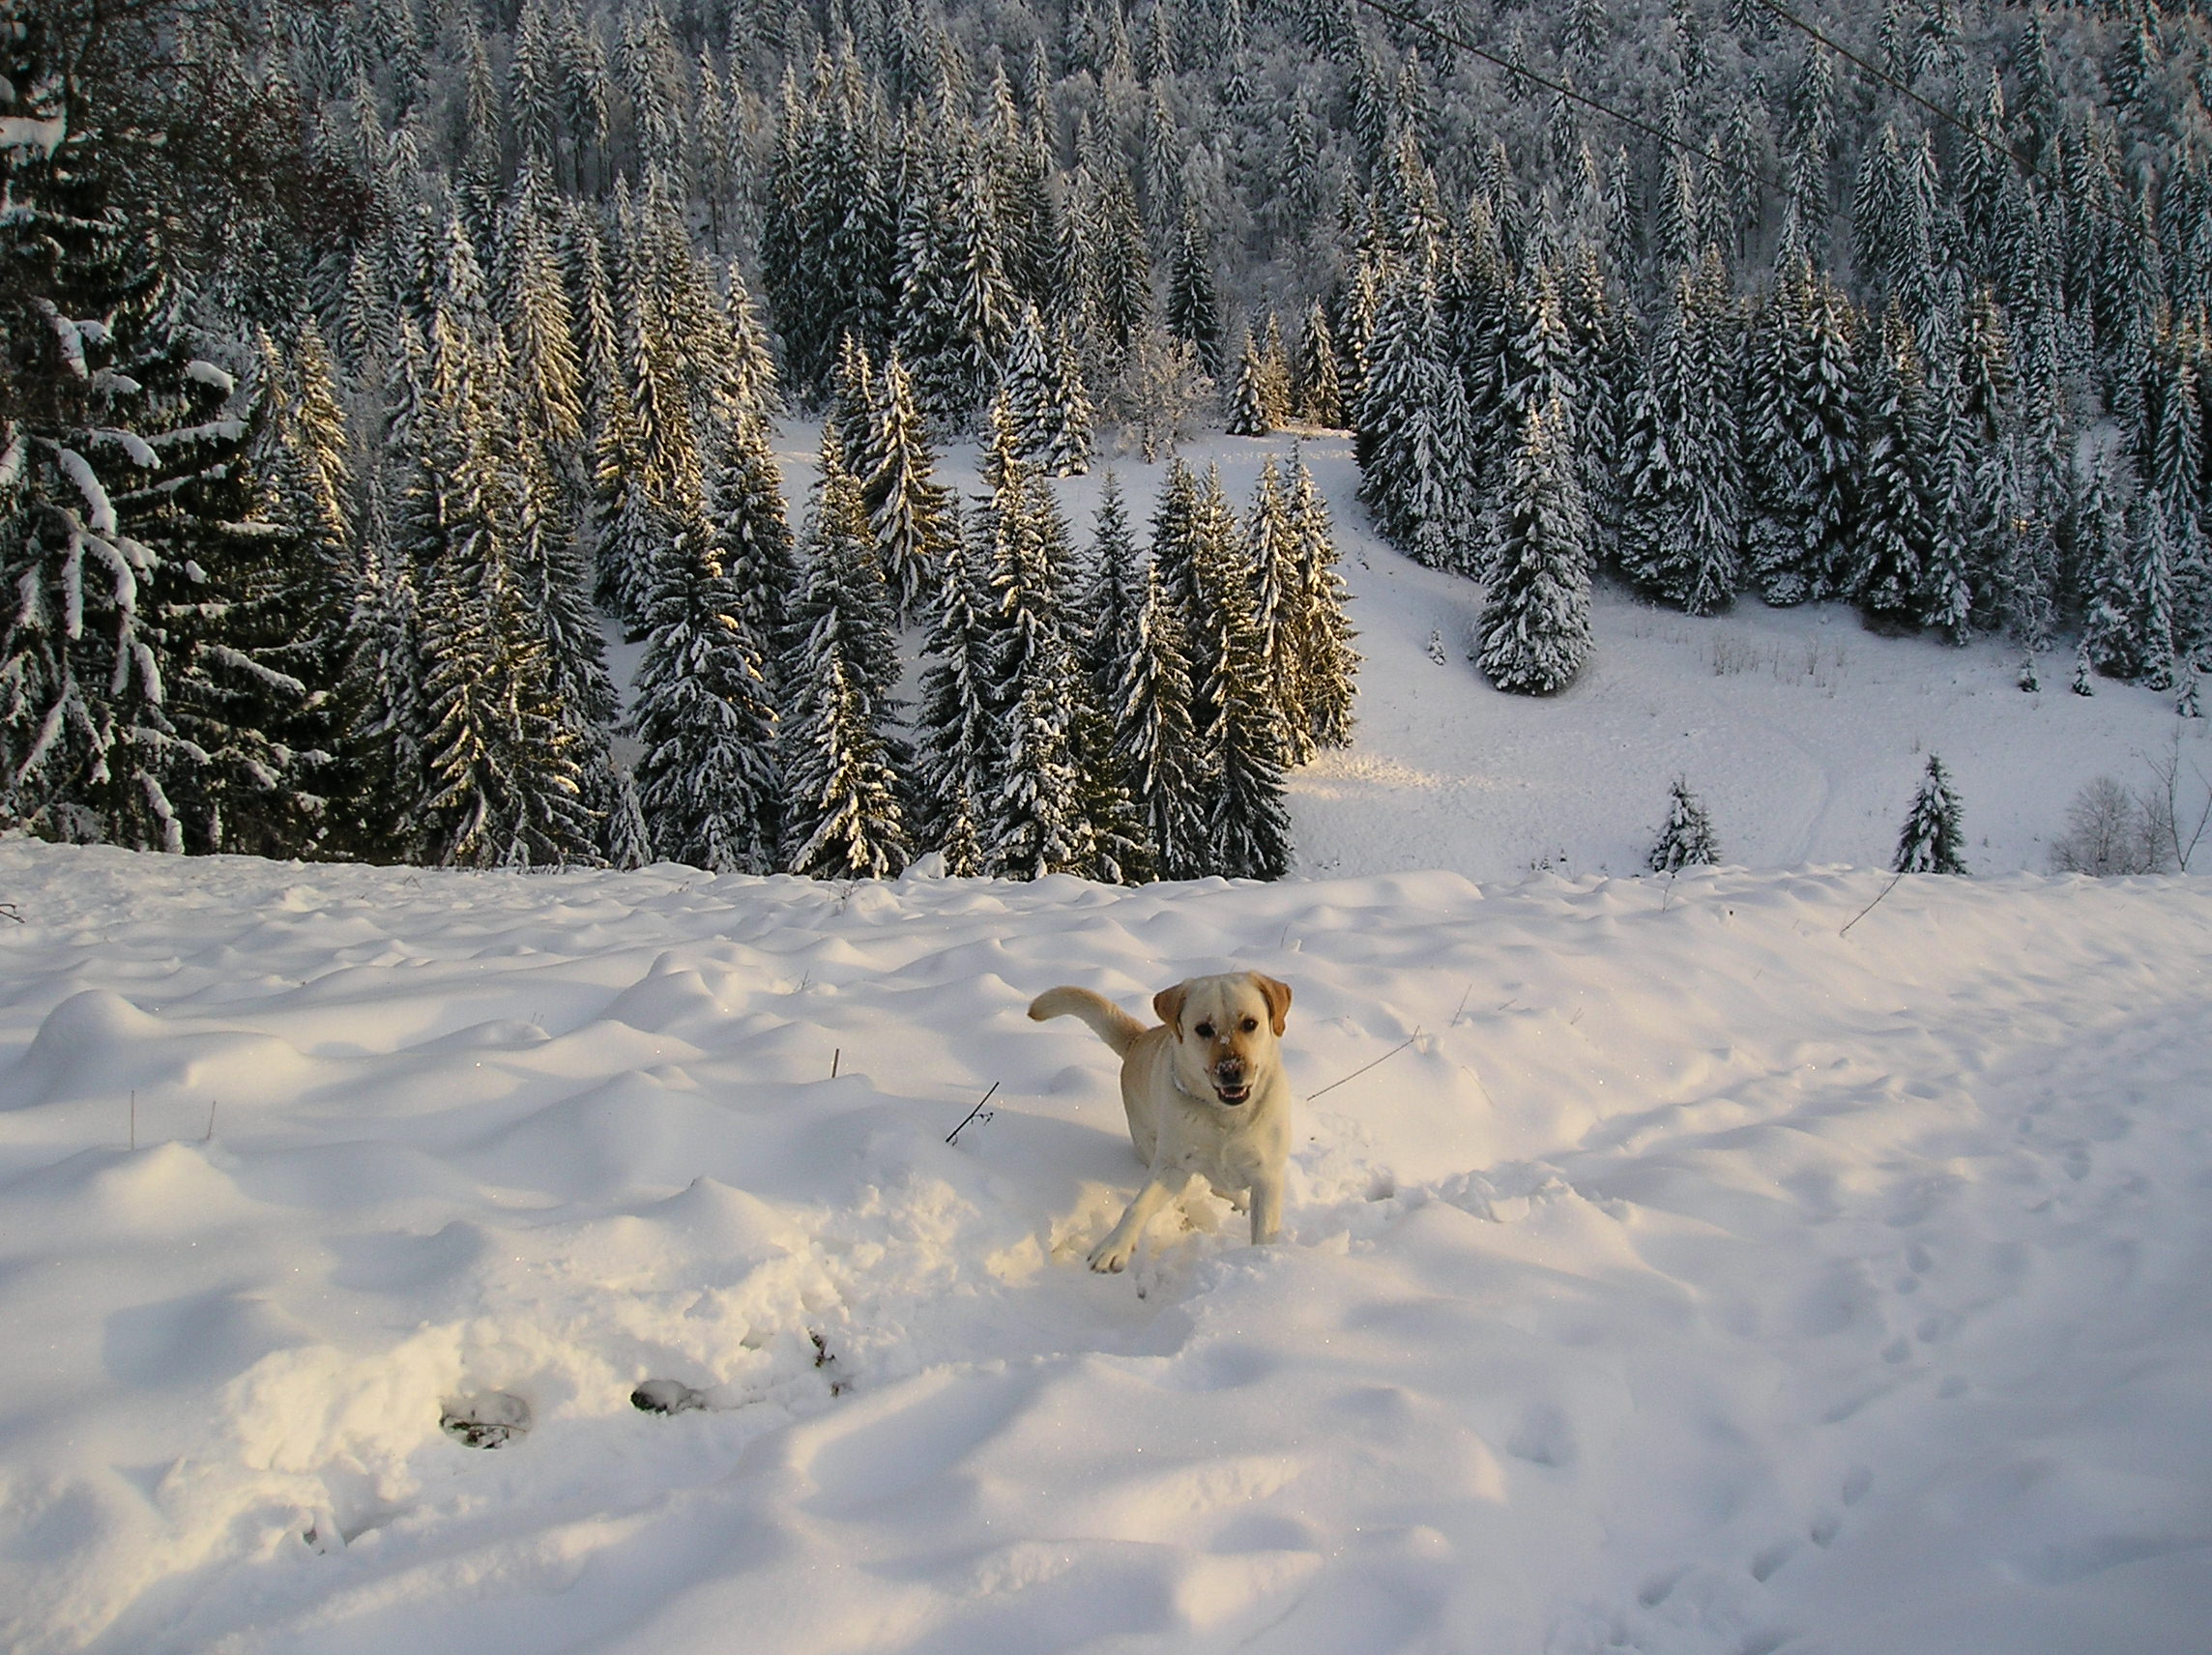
(1804, 733)
(1667, 1267)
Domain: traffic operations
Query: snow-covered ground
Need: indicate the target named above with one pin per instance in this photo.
(1715, 1266)
(1804, 733)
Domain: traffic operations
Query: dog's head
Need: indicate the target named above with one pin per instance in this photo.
(1225, 1031)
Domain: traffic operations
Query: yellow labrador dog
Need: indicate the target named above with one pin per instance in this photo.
(1205, 1093)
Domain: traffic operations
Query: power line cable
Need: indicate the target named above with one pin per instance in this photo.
(1458, 41)
(1977, 133)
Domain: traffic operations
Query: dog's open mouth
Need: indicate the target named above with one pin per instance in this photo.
(1233, 1094)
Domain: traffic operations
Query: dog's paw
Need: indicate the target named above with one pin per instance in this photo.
(1108, 1257)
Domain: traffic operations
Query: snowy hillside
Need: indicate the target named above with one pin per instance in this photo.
(1804, 733)
(1665, 1267)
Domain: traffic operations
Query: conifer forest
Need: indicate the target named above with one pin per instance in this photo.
(365, 364)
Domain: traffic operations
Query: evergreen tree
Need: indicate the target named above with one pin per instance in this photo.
(707, 781)
(958, 754)
(1687, 840)
(1110, 636)
(504, 785)
(1194, 307)
(1153, 726)
(1896, 531)
(1319, 396)
(1681, 539)
(1044, 399)
(1415, 445)
(1035, 823)
(1237, 728)
(1325, 662)
(1932, 841)
(909, 513)
(1535, 636)
(1248, 411)
(842, 812)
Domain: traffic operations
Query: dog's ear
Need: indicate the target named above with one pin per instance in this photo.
(1167, 1005)
(1278, 997)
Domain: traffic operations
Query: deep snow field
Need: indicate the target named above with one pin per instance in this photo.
(1713, 1265)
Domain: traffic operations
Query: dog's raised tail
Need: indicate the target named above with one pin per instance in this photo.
(1108, 1021)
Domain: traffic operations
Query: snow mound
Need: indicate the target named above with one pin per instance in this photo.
(1665, 1268)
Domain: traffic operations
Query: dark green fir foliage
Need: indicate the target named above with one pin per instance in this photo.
(1932, 840)
(1237, 731)
(1681, 537)
(1896, 518)
(1034, 825)
(957, 754)
(1045, 400)
(1325, 664)
(505, 787)
(1109, 637)
(1194, 304)
(1687, 840)
(707, 782)
(910, 514)
(1535, 634)
(843, 817)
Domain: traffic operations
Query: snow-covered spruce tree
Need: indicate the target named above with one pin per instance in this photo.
(1193, 312)
(1109, 638)
(909, 513)
(1247, 402)
(957, 757)
(1045, 400)
(1271, 553)
(843, 817)
(1895, 530)
(146, 682)
(1413, 442)
(504, 786)
(1687, 840)
(1932, 841)
(1317, 384)
(1236, 729)
(707, 786)
(1682, 535)
(1034, 825)
(1152, 727)
(1535, 634)
(1327, 665)
(855, 407)
(1800, 436)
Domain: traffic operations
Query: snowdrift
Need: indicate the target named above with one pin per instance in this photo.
(1664, 1268)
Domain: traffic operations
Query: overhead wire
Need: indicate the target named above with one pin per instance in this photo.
(1458, 41)
(1565, 89)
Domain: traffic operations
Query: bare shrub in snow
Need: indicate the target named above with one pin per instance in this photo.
(2111, 831)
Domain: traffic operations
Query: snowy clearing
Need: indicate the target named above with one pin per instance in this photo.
(1804, 733)
(1682, 1275)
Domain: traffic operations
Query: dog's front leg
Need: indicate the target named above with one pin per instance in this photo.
(1267, 1210)
(1120, 1242)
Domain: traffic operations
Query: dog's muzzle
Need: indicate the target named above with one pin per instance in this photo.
(1231, 1087)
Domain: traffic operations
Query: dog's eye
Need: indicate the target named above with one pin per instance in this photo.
(1203, 1030)
(1249, 1024)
